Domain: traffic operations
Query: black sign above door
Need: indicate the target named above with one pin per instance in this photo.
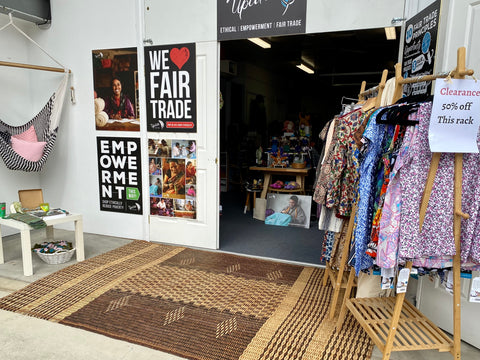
(243, 19)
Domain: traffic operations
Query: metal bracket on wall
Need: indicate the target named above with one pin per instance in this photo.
(36, 11)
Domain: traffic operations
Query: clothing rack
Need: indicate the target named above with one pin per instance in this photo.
(339, 278)
(393, 323)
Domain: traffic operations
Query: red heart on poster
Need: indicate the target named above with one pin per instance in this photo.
(179, 56)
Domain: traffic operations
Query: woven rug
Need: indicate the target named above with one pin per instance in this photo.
(196, 304)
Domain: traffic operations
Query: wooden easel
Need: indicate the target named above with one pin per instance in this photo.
(393, 323)
(339, 278)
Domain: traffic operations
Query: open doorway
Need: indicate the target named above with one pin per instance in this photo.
(267, 102)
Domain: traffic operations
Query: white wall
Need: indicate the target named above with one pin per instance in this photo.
(179, 21)
(339, 15)
(15, 104)
(69, 179)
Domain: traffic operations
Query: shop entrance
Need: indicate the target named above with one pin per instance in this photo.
(267, 99)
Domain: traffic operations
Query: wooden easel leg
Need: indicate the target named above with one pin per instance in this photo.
(457, 223)
(397, 310)
(343, 261)
(348, 293)
(327, 273)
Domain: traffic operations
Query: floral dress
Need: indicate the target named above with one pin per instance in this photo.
(390, 219)
(363, 220)
(322, 179)
(436, 237)
(344, 172)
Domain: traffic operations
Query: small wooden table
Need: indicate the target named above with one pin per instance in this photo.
(26, 242)
(300, 175)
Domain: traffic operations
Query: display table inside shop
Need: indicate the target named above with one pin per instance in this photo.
(26, 242)
(299, 174)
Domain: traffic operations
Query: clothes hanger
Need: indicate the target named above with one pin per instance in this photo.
(415, 99)
(398, 114)
(369, 104)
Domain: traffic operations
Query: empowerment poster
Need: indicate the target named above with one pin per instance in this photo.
(419, 48)
(170, 80)
(173, 177)
(120, 175)
(242, 19)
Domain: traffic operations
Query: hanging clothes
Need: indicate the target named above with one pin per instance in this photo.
(322, 179)
(389, 228)
(387, 160)
(373, 138)
(438, 223)
(328, 239)
(344, 170)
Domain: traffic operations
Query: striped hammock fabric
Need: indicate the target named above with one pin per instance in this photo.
(45, 124)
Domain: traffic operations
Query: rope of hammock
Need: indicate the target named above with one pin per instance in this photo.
(10, 23)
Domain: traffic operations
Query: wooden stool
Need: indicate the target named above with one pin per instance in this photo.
(253, 193)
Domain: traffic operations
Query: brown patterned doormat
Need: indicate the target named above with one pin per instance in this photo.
(196, 304)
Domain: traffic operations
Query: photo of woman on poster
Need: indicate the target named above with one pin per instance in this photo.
(118, 106)
(115, 89)
(174, 185)
(190, 172)
(155, 186)
(154, 166)
(191, 191)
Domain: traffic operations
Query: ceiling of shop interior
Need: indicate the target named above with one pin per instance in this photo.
(340, 58)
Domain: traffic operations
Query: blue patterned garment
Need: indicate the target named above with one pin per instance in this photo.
(363, 221)
(328, 240)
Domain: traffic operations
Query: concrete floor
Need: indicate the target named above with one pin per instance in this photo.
(28, 338)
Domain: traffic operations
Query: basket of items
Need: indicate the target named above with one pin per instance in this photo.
(53, 253)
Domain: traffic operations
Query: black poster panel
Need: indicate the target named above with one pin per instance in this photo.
(120, 174)
(419, 48)
(242, 19)
(170, 80)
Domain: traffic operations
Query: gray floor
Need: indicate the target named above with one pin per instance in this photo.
(25, 338)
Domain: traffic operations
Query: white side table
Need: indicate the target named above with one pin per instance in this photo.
(26, 242)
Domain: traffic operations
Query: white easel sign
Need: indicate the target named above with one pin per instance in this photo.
(455, 116)
(475, 290)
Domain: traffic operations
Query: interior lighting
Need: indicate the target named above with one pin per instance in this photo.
(390, 33)
(305, 68)
(261, 43)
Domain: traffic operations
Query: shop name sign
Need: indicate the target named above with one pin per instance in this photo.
(242, 19)
(120, 176)
(170, 78)
(455, 118)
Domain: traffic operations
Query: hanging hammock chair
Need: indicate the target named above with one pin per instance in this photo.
(27, 147)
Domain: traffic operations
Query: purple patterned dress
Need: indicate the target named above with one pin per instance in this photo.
(436, 237)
